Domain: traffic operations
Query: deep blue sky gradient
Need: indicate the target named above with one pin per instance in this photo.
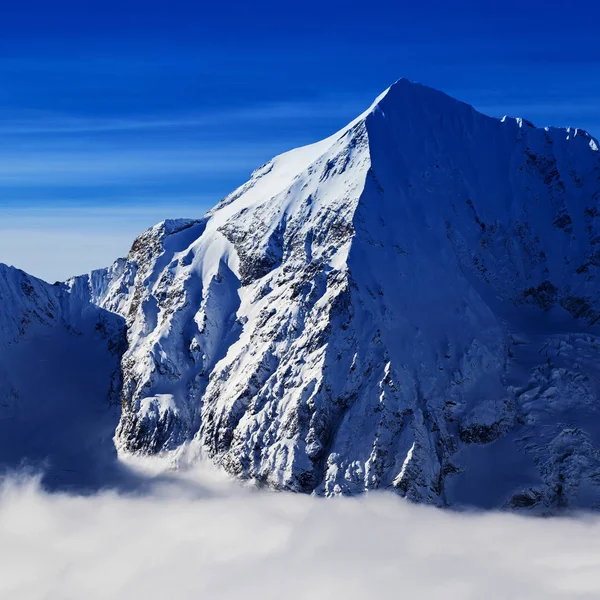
(116, 114)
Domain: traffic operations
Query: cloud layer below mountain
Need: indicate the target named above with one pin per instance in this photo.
(197, 535)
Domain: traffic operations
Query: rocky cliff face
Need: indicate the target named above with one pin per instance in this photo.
(411, 304)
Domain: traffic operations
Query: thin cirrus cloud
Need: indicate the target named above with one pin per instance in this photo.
(39, 122)
(74, 192)
(57, 150)
(93, 166)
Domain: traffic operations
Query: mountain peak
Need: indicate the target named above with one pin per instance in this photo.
(404, 94)
(349, 318)
(396, 307)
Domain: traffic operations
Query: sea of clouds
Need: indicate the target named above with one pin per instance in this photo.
(199, 535)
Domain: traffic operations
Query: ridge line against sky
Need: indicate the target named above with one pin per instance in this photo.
(162, 112)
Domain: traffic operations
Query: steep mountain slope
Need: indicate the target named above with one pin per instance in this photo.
(410, 304)
(59, 382)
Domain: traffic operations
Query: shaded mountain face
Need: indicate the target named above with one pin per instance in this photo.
(410, 304)
(60, 383)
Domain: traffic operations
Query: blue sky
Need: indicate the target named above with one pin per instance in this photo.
(116, 115)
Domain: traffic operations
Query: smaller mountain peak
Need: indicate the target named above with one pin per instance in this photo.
(159, 232)
(170, 226)
(166, 228)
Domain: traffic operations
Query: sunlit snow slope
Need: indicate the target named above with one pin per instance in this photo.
(410, 304)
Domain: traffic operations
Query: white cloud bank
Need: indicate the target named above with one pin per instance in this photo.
(198, 536)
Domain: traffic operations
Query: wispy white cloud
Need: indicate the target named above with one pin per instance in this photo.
(41, 148)
(197, 536)
(89, 166)
(40, 122)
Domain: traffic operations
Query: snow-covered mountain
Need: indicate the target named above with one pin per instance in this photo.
(410, 304)
(60, 382)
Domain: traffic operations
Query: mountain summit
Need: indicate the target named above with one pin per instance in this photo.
(411, 304)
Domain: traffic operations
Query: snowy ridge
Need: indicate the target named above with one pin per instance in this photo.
(410, 304)
(59, 381)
